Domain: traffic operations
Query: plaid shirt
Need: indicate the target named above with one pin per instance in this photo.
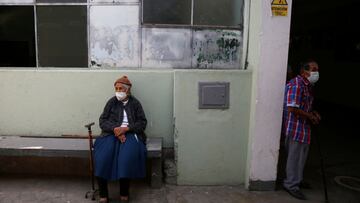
(298, 95)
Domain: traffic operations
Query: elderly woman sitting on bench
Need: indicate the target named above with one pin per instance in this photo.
(120, 152)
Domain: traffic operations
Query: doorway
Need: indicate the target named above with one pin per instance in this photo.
(326, 31)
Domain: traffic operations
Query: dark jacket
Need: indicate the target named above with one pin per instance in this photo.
(112, 117)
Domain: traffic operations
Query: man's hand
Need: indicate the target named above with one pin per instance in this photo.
(122, 138)
(314, 117)
(317, 115)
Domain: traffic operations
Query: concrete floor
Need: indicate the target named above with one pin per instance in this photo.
(339, 139)
(16, 189)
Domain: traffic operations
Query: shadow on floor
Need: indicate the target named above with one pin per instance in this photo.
(339, 143)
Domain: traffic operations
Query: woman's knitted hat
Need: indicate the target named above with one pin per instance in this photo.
(124, 80)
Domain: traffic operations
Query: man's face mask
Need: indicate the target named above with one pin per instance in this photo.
(314, 77)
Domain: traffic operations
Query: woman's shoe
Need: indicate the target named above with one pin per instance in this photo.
(124, 199)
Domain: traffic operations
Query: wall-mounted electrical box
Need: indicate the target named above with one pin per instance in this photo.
(214, 95)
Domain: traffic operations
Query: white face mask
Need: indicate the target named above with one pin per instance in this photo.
(120, 95)
(314, 77)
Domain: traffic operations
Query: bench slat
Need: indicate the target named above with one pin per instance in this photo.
(60, 147)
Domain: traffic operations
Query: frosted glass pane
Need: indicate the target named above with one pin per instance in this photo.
(217, 49)
(62, 36)
(17, 1)
(218, 12)
(17, 36)
(114, 36)
(167, 12)
(112, 1)
(61, 1)
(166, 48)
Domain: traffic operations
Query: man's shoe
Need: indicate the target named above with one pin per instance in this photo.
(296, 193)
(124, 199)
(103, 200)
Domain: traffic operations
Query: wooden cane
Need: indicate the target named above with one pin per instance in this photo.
(93, 191)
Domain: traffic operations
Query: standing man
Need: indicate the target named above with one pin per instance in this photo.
(298, 118)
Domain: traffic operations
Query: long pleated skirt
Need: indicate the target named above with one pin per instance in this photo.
(114, 160)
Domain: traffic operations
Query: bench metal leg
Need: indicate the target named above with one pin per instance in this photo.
(156, 173)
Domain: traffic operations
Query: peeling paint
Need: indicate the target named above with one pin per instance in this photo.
(115, 48)
(166, 48)
(114, 36)
(217, 48)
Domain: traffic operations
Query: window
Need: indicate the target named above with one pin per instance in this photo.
(118, 34)
(194, 12)
(62, 36)
(218, 12)
(61, 1)
(17, 36)
(202, 34)
(114, 36)
(40, 33)
(167, 12)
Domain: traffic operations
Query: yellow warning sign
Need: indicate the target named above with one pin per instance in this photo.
(279, 8)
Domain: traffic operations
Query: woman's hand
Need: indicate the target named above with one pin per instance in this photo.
(122, 138)
(120, 130)
(120, 133)
(117, 131)
(123, 130)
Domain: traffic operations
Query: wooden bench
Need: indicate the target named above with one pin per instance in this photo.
(71, 147)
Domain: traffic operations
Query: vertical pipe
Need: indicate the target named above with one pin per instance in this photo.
(192, 12)
(36, 37)
(245, 33)
(140, 30)
(88, 32)
(192, 33)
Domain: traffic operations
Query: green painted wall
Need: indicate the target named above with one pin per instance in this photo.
(55, 102)
(211, 145)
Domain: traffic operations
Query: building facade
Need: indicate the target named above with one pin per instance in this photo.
(60, 59)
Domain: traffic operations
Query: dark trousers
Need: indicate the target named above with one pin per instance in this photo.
(103, 187)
